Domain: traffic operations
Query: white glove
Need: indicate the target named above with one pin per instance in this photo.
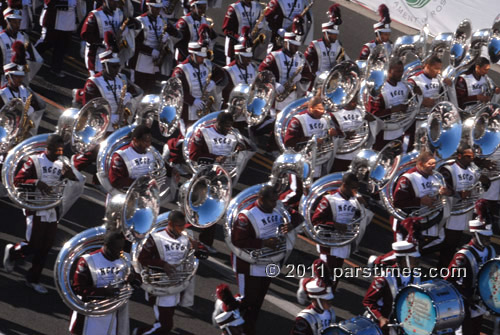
(279, 88)
(198, 104)
(211, 86)
(155, 54)
(165, 38)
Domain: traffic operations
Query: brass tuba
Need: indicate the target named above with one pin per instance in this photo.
(263, 255)
(156, 281)
(205, 197)
(135, 216)
(260, 98)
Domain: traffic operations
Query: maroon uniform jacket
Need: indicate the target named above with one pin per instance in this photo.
(312, 56)
(118, 173)
(198, 147)
(294, 135)
(149, 255)
(217, 76)
(243, 236)
(91, 91)
(463, 96)
(274, 17)
(404, 196)
(293, 192)
(230, 27)
(182, 44)
(34, 101)
(269, 63)
(51, 7)
(226, 92)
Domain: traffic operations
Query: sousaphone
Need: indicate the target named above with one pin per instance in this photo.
(135, 215)
(261, 96)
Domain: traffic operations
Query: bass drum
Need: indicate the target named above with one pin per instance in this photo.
(488, 284)
(358, 325)
(433, 307)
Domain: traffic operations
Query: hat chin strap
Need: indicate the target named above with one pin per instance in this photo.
(478, 239)
(319, 304)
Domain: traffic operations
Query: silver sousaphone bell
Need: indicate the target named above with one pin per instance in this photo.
(205, 197)
(10, 124)
(261, 96)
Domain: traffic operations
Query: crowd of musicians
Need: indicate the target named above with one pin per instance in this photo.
(393, 131)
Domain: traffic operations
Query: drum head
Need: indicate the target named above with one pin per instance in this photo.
(358, 325)
(488, 285)
(415, 311)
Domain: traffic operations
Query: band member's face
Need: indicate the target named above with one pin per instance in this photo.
(199, 59)
(114, 248)
(142, 144)
(245, 60)
(396, 73)
(292, 47)
(200, 10)
(269, 203)
(485, 240)
(317, 110)
(155, 11)
(482, 70)
(112, 4)
(326, 304)
(14, 24)
(466, 158)
(427, 167)
(350, 189)
(432, 70)
(225, 127)
(16, 81)
(54, 151)
(384, 37)
(113, 69)
(331, 37)
(177, 226)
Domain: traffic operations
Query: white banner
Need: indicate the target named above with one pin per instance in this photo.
(441, 15)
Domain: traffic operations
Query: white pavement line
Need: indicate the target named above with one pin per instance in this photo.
(271, 297)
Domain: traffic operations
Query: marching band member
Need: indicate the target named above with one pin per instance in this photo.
(239, 71)
(473, 85)
(307, 124)
(416, 188)
(189, 25)
(193, 73)
(288, 67)
(382, 33)
(132, 160)
(215, 144)
(460, 177)
(430, 86)
(95, 277)
(106, 18)
(279, 16)
(152, 42)
(165, 250)
(10, 35)
(350, 119)
(380, 297)
(393, 99)
(471, 257)
(256, 228)
(59, 21)
(226, 314)
(107, 84)
(241, 14)
(325, 53)
(334, 212)
(43, 172)
(15, 74)
(320, 313)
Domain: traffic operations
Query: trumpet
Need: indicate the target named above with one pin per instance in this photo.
(26, 123)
